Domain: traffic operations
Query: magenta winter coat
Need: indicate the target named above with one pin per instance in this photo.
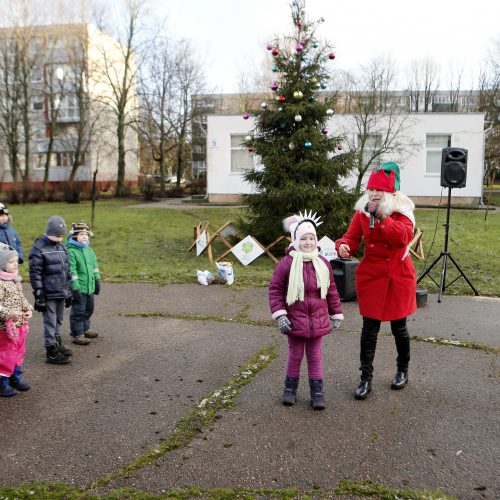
(310, 318)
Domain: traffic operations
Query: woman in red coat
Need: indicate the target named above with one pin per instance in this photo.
(385, 278)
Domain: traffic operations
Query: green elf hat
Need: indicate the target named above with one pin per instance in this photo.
(385, 177)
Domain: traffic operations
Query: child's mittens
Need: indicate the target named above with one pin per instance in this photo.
(77, 296)
(40, 304)
(97, 290)
(336, 321)
(11, 329)
(284, 324)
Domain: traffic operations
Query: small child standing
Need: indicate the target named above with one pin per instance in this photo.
(306, 305)
(85, 282)
(50, 279)
(15, 311)
(8, 234)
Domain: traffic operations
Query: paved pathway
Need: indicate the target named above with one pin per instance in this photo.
(124, 395)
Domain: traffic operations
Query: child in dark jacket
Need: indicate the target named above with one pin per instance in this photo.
(8, 234)
(306, 305)
(50, 278)
(85, 282)
(15, 311)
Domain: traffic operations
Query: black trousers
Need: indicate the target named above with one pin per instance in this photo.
(369, 335)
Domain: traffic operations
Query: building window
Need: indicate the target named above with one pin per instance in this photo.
(372, 144)
(37, 105)
(36, 74)
(38, 161)
(241, 159)
(434, 145)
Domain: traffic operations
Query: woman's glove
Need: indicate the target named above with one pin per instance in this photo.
(40, 304)
(284, 324)
(97, 290)
(377, 208)
(67, 302)
(77, 296)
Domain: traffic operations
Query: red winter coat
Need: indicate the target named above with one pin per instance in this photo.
(385, 278)
(310, 318)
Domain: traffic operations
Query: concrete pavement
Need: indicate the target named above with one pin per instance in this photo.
(162, 350)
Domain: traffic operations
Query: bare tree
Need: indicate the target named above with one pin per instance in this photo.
(422, 84)
(380, 121)
(119, 72)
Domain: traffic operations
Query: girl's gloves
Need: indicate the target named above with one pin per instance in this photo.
(284, 324)
(377, 208)
(336, 321)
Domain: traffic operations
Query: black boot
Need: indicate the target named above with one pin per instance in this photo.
(400, 380)
(16, 380)
(369, 335)
(317, 399)
(363, 389)
(290, 392)
(64, 350)
(55, 356)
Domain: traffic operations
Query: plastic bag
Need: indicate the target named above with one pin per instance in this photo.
(205, 277)
(226, 273)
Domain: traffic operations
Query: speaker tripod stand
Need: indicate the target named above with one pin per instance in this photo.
(445, 255)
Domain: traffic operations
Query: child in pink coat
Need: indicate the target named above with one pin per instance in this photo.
(15, 311)
(306, 305)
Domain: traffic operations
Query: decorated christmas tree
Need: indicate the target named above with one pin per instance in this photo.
(300, 163)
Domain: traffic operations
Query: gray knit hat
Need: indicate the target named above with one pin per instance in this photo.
(6, 253)
(56, 226)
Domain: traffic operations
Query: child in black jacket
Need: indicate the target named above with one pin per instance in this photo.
(50, 278)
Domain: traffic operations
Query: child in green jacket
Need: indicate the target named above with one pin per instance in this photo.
(85, 282)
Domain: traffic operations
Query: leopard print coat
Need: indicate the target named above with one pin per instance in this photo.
(12, 300)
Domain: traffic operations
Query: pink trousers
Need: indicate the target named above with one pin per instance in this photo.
(12, 351)
(314, 354)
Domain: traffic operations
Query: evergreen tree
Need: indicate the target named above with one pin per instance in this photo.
(301, 164)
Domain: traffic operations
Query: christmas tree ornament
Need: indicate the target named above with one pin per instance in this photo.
(298, 94)
(314, 79)
(280, 109)
(275, 51)
(282, 125)
(291, 146)
(298, 118)
(282, 98)
(329, 112)
(299, 24)
(250, 149)
(264, 105)
(324, 130)
(246, 116)
(269, 46)
(274, 68)
(323, 86)
(315, 44)
(274, 86)
(310, 98)
(331, 55)
(283, 149)
(299, 47)
(340, 147)
(248, 138)
(308, 144)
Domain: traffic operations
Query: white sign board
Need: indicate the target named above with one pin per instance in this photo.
(201, 243)
(328, 250)
(247, 250)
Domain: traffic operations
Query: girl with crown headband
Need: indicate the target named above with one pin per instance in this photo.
(385, 278)
(306, 305)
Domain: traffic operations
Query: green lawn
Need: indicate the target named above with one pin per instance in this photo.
(150, 245)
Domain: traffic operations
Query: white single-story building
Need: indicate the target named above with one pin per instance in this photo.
(227, 160)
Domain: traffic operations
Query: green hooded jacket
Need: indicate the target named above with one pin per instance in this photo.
(83, 265)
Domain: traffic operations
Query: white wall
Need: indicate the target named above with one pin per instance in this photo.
(466, 130)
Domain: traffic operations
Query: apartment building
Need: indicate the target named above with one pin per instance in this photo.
(57, 94)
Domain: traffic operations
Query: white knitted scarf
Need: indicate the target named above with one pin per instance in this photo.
(296, 280)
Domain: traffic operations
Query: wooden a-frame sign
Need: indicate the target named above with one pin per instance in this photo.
(416, 245)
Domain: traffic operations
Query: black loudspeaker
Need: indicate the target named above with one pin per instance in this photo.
(344, 276)
(453, 167)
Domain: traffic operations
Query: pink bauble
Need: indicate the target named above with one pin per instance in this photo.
(246, 116)
(282, 98)
(340, 147)
(269, 46)
(274, 86)
(331, 55)
(299, 47)
(324, 130)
